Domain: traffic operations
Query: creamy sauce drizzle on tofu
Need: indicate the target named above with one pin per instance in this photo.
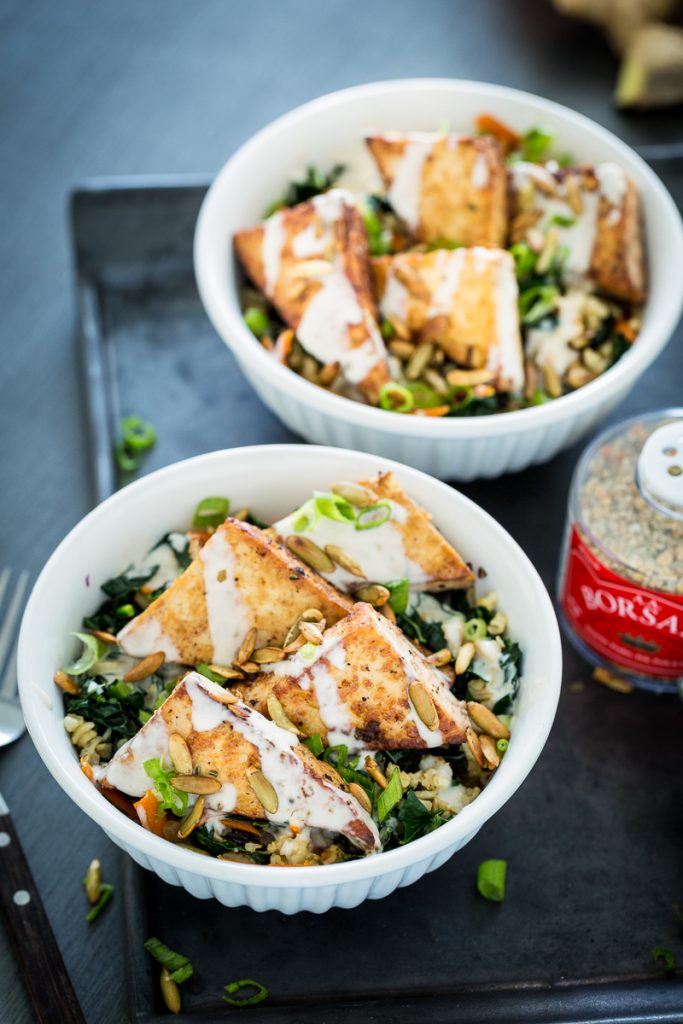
(142, 636)
(506, 358)
(319, 674)
(480, 171)
(404, 191)
(273, 242)
(164, 557)
(226, 613)
(552, 347)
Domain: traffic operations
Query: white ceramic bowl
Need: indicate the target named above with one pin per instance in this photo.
(332, 127)
(273, 479)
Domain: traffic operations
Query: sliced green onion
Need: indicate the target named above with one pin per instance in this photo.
(395, 397)
(258, 321)
(373, 515)
(333, 506)
(127, 461)
(106, 894)
(205, 671)
(537, 302)
(342, 752)
(390, 796)
(210, 512)
(474, 629)
(536, 143)
(172, 799)
(491, 880)
(128, 610)
(258, 996)
(525, 259)
(301, 523)
(424, 396)
(315, 744)
(665, 954)
(387, 330)
(540, 397)
(563, 222)
(163, 695)
(138, 435)
(502, 744)
(93, 650)
(122, 690)
(144, 716)
(177, 965)
(308, 652)
(400, 592)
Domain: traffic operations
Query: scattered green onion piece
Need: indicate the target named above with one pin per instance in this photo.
(258, 321)
(128, 610)
(390, 796)
(395, 397)
(205, 671)
(387, 330)
(210, 512)
(172, 799)
(177, 965)
(537, 302)
(138, 435)
(424, 396)
(315, 744)
(127, 461)
(491, 880)
(665, 954)
(400, 592)
(308, 652)
(525, 259)
(121, 690)
(92, 651)
(105, 895)
(540, 397)
(502, 744)
(536, 143)
(342, 752)
(163, 695)
(333, 506)
(373, 516)
(563, 222)
(235, 986)
(506, 720)
(474, 629)
(144, 716)
(443, 243)
(301, 523)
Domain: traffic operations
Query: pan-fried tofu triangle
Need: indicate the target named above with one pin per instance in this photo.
(388, 537)
(228, 741)
(312, 262)
(465, 300)
(367, 687)
(445, 187)
(241, 579)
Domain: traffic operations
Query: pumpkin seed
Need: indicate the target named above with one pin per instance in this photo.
(440, 658)
(311, 615)
(468, 378)
(488, 749)
(464, 658)
(279, 715)
(328, 374)
(267, 655)
(402, 349)
(388, 612)
(181, 758)
(578, 375)
(475, 747)
(355, 494)
(226, 673)
(420, 360)
(247, 646)
(375, 594)
(421, 699)
(485, 719)
(93, 881)
(170, 992)
(191, 820)
(551, 380)
(250, 667)
(263, 791)
(145, 668)
(593, 361)
(345, 561)
(223, 696)
(498, 624)
(199, 784)
(361, 796)
(310, 553)
(295, 644)
(435, 380)
(311, 632)
(106, 638)
(375, 772)
(65, 682)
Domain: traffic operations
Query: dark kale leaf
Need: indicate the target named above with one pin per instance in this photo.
(315, 182)
(121, 591)
(120, 714)
(428, 633)
(129, 582)
(233, 842)
(255, 521)
(416, 819)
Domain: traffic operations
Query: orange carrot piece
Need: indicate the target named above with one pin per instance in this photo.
(147, 808)
(437, 410)
(487, 124)
(626, 330)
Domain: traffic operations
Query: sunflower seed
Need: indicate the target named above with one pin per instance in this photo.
(263, 791)
(612, 681)
(551, 380)
(191, 820)
(421, 699)
(375, 594)
(361, 796)
(145, 668)
(498, 624)
(485, 719)
(226, 673)
(310, 553)
(65, 682)
(475, 747)
(106, 638)
(440, 658)
(200, 784)
(400, 348)
(544, 261)
(93, 881)
(420, 360)
(311, 632)
(181, 758)
(573, 190)
(375, 772)
(355, 494)
(468, 378)
(247, 646)
(249, 667)
(488, 749)
(279, 715)
(346, 562)
(267, 655)
(464, 658)
(170, 992)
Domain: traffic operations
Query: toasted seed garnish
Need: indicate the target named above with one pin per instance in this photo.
(388, 612)
(612, 681)
(485, 720)
(311, 615)
(489, 751)
(345, 561)
(440, 658)
(295, 644)
(241, 514)
(436, 380)
(475, 747)
(375, 772)
(464, 658)
(574, 198)
(488, 601)
(593, 361)
(239, 858)
(225, 672)
(93, 881)
(375, 594)
(498, 624)
(250, 667)
(106, 638)
(65, 682)
(279, 715)
(170, 992)
(311, 632)
(421, 699)
(544, 262)
(267, 655)
(420, 360)
(191, 820)
(181, 758)
(223, 696)
(310, 553)
(355, 494)
(328, 374)
(551, 380)
(145, 668)
(247, 646)
(292, 635)
(200, 784)
(468, 378)
(263, 791)
(578, 375)
(361, 796)
(402, 349)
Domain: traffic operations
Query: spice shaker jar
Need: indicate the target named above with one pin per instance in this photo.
(621, 573)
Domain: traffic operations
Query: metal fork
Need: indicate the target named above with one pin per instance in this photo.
(12, 722)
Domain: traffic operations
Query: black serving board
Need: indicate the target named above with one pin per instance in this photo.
(594, 837)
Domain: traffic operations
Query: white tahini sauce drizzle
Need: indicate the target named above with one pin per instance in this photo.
(450, 265)
(480, 171)
(507, 354)
(320, 674)
(394, 302)
(309, 242)
(404, 191)
(553, 347)
(164, 556)
(225, 609)
(612, 182)
(273, 241)
(126, 770)
(142, 636)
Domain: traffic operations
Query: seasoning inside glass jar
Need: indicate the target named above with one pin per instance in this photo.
(621, 573)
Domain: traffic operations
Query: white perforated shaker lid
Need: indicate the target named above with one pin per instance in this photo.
(660, 469)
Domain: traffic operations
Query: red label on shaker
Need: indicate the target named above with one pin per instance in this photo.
(638, 629)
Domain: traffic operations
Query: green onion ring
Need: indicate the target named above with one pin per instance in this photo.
(369, 518)
(395, 397)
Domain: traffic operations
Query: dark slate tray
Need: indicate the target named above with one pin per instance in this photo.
(594, 836)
